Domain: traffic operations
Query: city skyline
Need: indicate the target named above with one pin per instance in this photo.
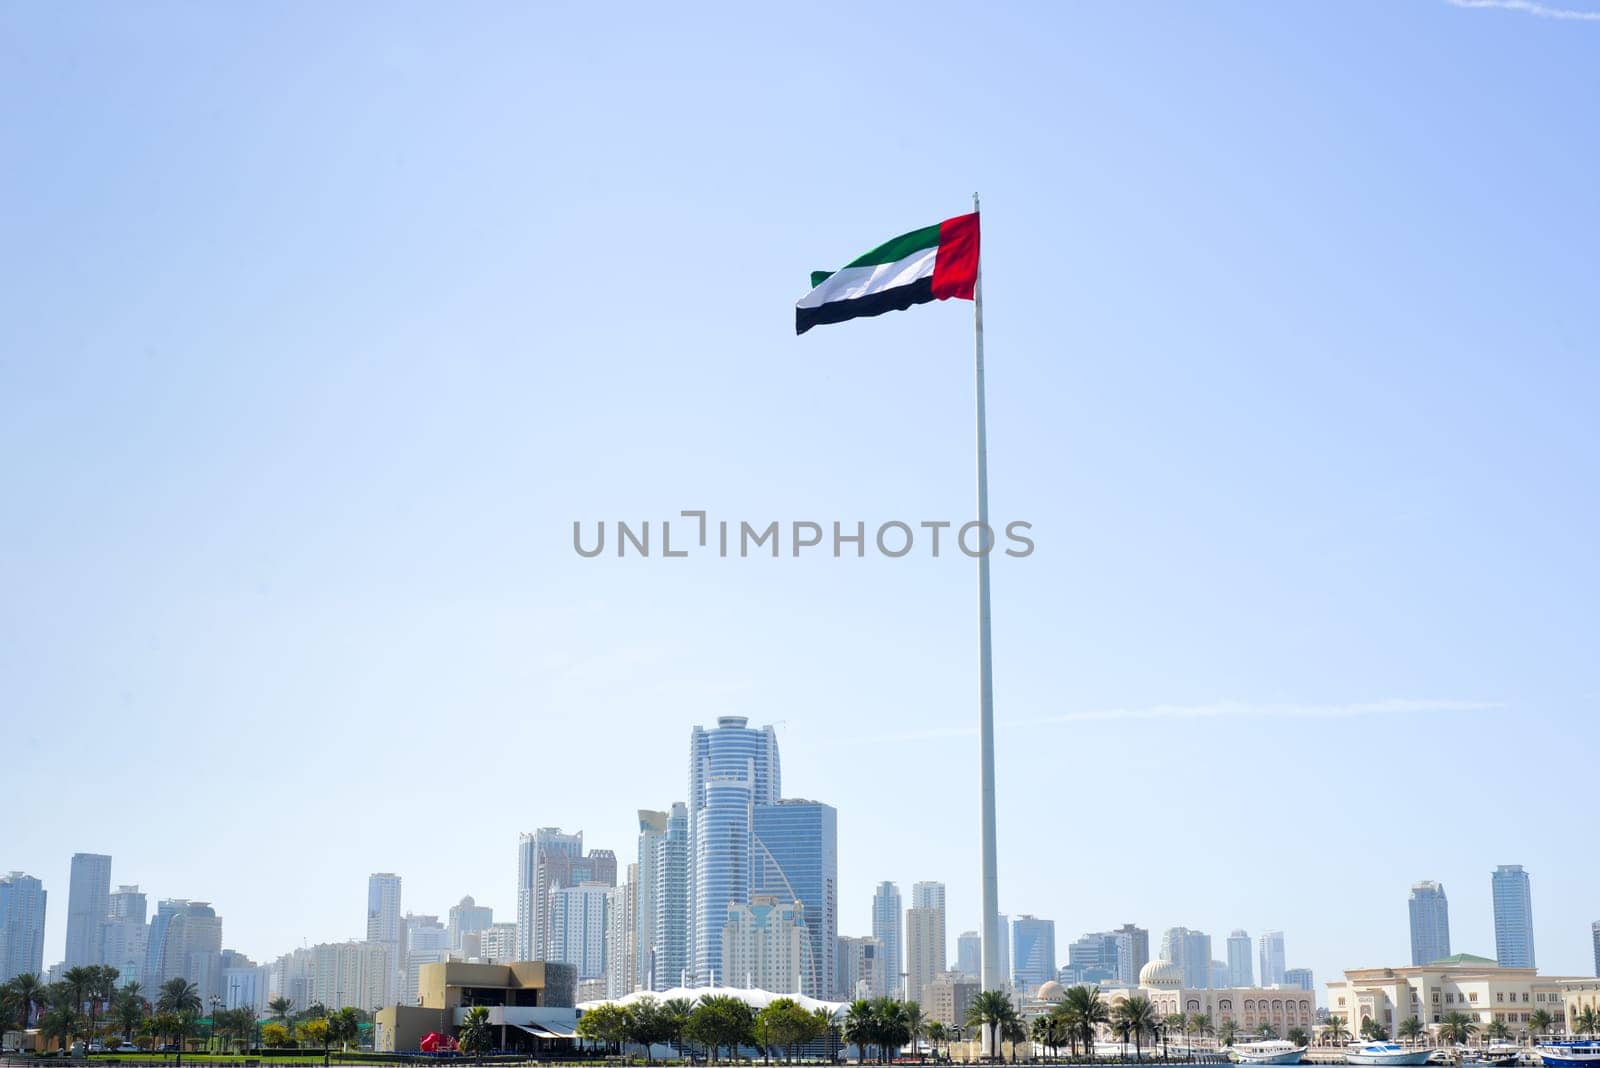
(308, 399)
(384, 901)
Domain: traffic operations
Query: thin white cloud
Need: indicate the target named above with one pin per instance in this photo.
(1394, 706)
(1531, 7)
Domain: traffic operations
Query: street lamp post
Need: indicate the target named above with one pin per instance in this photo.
(216, 1003)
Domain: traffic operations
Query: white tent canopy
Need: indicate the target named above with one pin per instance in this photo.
(756, 999)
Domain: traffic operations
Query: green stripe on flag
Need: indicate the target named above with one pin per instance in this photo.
(819, 277)
(897, 249)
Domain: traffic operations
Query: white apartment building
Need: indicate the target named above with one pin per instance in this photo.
(764, 944)
(351, 974)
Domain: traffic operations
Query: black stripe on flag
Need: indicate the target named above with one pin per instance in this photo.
(837, 311)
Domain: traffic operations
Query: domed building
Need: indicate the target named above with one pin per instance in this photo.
(1250, 1008)
(1052, 991)
(1161, 975)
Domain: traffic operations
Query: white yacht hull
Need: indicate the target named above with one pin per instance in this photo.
(1389, 1059)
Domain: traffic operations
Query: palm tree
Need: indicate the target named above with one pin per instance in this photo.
(937, 1035)
(828, 1028)
(1200, 1023)
(1137, 1017)
(1336, 1032)
(102, 985)
(1086, 1012)
(10, 1002)
(989, 1011)
(60, 1021)
(1457, 1028)
(29, 995)
(894, 1030)
(280, 1007)
(675, 1014)
(344, 1027)
(1227, 1032)
(77, 982)
(861, 1026)
(1298, 1036)
(1411, 1029)
(1168, 1023)
(1540, 1021)
(1064, 1027)
(179, 997)
(476, 1034)
(1013, 1032)
(1586, 1021)
(130, 1009)
(1040, 1032)
(1496, 1030)
(916, 1025)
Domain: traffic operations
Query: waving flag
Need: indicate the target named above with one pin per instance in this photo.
(934, 263)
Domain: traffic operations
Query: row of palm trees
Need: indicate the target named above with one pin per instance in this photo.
(1077, 1021)
(88, 1003)
(1460, 1028)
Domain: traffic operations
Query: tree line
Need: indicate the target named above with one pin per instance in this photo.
(88, 1004)
(717, 1023)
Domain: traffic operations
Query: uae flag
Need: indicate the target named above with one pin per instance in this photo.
(934, 263)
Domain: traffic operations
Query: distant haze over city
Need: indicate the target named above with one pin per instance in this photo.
(669, 883)
(325, 324)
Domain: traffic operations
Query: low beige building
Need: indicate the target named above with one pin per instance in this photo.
(1249, 1007)
(1577, 995)
(530, 1005)
(1476, 986)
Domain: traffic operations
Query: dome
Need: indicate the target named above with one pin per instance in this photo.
(1161, 973)
(1051, 990)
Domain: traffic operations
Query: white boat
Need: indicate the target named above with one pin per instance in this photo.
(1268, 1051)
(1387, 1054)
(1585, 1054)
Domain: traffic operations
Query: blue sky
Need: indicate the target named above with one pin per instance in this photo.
(325, 324)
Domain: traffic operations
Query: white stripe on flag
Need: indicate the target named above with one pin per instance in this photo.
(855, 282)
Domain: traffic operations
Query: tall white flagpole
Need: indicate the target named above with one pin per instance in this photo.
(992, 979)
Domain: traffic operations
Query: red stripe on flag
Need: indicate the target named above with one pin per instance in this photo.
(955, 267)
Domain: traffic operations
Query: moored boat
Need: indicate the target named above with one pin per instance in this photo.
(1268, 1051)
(1386, 1054)
(1495, 1055)
(1584, 1054)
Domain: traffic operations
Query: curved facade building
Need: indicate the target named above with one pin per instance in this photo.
(732, 769)
(796, 847)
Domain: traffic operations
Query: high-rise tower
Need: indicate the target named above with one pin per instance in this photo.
(1240, 973)
(22, 904)
(732, 768)
(88, 904)
(1513, 917)
(652, 833)
(670, 956)
(886, 928)
(537, 854)
(1273, 962)
(122, 936)
(925, 938)
(797, 859)
(1430, 923)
